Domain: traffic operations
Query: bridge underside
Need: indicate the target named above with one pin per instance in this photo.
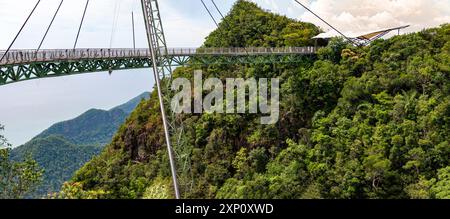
(28, 71)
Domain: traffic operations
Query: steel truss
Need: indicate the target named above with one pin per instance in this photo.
(28, 71)
(161, 68)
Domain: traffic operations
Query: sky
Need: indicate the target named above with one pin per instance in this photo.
(27, 108)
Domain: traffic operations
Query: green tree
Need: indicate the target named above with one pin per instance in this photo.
(299, 34)
(16, 178)
(441, 189)
(369, 122)
(75, 191)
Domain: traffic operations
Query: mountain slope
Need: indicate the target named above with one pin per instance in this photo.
(92, 127)
(137, 155)
(129, 106)
(251, 26)
(66, 146)
(355, 122)
(59, 158)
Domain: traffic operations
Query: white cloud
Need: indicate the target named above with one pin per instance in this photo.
(368, 15)
(187, 23)
(359, 16)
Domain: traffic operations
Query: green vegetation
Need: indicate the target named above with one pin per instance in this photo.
(370, 122)
(67, 146)
(58, 157)
(16, 178)
(92, 127)
(248, 25)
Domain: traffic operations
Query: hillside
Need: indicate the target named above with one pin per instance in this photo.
(355, 122)
(66, 146)
(129, 106)
(94, 126)
(59, 158)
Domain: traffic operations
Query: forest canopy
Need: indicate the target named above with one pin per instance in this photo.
(355, 122)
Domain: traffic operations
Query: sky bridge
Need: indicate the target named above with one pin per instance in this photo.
(20, 65)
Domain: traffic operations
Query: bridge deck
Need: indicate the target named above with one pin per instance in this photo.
(17, 57)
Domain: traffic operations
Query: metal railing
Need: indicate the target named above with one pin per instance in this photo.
(241, 51)
(15, 57)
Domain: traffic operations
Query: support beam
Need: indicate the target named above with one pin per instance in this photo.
(134, 34)
(161, 67)
(58, 67)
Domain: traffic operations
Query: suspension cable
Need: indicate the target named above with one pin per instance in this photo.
(209, 12)
(49, 26)
(134, 34)
(133, 7)
(224, 22)
(116, 13)
(326, 22)
(81, 24)
(217, 8)
(17, 35)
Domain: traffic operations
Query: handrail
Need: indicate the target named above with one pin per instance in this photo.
(50, 55)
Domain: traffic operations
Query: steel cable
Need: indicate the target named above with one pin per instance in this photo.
(326, 22)
(224, 22)
(49, 26)
(81, 24)
(17, 35)
(209, 12)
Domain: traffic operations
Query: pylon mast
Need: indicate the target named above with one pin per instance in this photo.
(161, 68)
